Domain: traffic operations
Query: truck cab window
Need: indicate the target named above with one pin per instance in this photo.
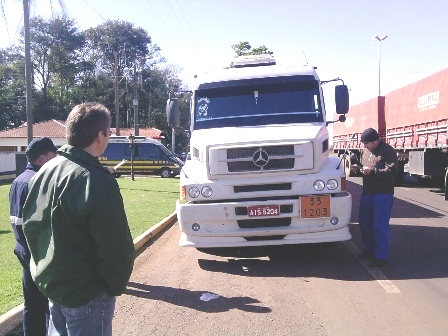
(258, 104)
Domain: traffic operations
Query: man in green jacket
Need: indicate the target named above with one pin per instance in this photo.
(82, 252)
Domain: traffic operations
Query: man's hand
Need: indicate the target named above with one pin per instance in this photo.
(366, 171)
(355, 168)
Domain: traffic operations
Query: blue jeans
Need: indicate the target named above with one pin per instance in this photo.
(94, 318)
(35, 308)
(374, 216)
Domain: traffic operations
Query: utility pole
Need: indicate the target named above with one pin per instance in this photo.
(135, 101)
(28, 69)
(117, 113)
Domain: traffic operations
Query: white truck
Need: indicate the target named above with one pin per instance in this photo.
(260, 170)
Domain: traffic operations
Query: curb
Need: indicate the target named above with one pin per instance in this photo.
(13, 318)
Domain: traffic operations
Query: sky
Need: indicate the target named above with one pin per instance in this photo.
(336, 36)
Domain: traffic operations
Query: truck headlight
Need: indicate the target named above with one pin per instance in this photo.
(318, 185)
(207, 191)
(332, 184)
(193, 192)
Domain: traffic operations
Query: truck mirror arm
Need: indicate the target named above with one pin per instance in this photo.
(342, 118)
(332, 80)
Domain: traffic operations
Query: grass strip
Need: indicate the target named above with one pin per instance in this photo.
(147, 201)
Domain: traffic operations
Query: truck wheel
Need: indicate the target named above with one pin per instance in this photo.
(399, 178)
(347, 165)
(165, 172)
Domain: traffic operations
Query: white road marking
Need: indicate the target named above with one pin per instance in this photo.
(382, 280)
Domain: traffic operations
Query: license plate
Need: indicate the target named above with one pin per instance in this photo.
(315, 206)
(263, 210)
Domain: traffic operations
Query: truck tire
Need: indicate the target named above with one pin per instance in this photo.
(347, 165)
(165, 172)
(446, 183)
(399, 178)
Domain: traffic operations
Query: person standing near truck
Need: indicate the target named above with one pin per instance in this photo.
(35, 308)
(82, 253)
(379, 164)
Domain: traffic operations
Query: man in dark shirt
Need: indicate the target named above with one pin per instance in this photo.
(35, 311)
(379, 165)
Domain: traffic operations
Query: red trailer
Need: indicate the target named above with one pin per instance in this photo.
(413, 119)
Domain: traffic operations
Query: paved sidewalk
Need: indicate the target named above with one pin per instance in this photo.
(13, 318)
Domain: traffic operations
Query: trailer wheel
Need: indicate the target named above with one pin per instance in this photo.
(165, 172)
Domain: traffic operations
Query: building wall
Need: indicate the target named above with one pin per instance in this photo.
(7, 166)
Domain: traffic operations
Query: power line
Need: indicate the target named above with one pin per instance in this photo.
(164, 24)
(177, 18)
(95, 11)
(188, 24)
(4, 18)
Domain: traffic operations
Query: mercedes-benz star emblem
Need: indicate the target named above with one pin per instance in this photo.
(260, 158)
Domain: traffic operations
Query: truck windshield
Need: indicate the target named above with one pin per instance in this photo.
(255, 104)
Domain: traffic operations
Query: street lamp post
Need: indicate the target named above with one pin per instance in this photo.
(379, 39)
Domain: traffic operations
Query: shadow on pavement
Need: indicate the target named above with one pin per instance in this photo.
(192, 299)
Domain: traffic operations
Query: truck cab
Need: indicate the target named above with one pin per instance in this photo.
(260, 172)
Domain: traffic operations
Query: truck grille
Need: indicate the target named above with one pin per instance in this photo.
(250, 159)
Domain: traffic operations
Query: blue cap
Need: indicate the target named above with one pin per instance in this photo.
(40, 146)
(369, 135)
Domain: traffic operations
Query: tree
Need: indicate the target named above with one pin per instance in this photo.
(28, 67)
(132, 47)
(55, 44)
(244, 49)
(12, 88)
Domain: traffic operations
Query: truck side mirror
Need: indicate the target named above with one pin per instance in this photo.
(342, 99)
(173, 112)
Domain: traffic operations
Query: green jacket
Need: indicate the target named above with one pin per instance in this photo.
(77, 230)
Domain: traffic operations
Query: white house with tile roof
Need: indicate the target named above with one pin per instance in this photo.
(15, 141)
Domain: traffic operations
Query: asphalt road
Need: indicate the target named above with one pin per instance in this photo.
(313, 290)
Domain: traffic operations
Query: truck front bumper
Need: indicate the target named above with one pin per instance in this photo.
(208, 225)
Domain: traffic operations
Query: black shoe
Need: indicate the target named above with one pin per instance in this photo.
(365, 255)
(379, 262)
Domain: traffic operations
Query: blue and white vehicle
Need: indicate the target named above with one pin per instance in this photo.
(260, 171)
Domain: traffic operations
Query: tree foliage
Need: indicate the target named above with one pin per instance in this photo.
(12, 88)
(54, 46)
(72, 66)
(244, 49)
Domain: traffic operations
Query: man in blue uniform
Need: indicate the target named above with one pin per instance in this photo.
(35, 311)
